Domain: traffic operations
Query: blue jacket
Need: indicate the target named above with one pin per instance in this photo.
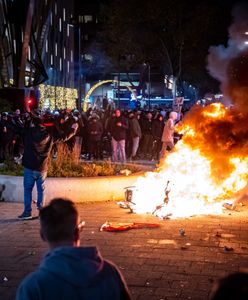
(74, 273)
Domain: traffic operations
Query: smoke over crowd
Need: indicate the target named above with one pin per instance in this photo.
(222, 134)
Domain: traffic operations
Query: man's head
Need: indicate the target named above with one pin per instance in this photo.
(59, 223)
(149, 115)
(17, 112)
(117, 113)
(173, 115)
(4, 116)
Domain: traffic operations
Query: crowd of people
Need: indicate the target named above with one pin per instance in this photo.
(101, 134)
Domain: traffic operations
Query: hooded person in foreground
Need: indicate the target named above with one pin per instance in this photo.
(69, 271)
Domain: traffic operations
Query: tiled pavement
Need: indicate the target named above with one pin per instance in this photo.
(156, 263)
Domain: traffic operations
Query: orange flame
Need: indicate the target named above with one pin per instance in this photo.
(204, 170)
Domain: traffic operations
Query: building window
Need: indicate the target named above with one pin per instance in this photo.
(51, 60)
(68, 30)
(71, 56)
(64, 52)
(56, 49)
(88, 57)
(60, 64)
(55, 8)
(29, 52)
(51, 20)
(60, 25)
(46, 45)
(88, 18)
(68, 66)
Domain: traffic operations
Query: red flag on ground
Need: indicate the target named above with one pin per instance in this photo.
(115, 226)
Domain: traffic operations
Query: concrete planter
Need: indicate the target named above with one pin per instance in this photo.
(76, 189)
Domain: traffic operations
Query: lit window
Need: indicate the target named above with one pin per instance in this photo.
(71, 56)
(64, 52)
(56, 49)
(60, 64)
(60, 25)
(63, 14)
(88, 57)
(51, 60)
(68, 66)
(46, 45)
(26, 80)
(68, 30)
(29, 52)
(88, 18)
(51, 20)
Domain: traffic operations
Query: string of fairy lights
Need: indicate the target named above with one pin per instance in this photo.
(57, 97)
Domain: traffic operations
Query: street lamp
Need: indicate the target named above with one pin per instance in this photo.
(148, 67)
(246, 42)
(149, 87)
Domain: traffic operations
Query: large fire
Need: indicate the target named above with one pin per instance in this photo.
(207, 167)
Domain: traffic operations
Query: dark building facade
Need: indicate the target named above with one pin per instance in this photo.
(37, 51)
(60, 90)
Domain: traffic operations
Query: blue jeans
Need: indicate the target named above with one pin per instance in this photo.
(30, 178)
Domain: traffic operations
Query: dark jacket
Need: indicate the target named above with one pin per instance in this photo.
(118, 132)
(74, 273)
(135, 130)
(157, 129)
(147, 127)
(94, 129)
(6, 131)
(38, 142)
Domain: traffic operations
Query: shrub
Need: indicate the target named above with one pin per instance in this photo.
(11, 168)
(67, 164)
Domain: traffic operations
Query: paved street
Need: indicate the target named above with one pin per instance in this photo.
(157, 263)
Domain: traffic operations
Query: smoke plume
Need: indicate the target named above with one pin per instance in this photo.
(222, 138)
(226, 63)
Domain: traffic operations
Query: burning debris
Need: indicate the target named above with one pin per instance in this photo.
(207, 168)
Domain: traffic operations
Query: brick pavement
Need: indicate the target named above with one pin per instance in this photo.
(154, 262)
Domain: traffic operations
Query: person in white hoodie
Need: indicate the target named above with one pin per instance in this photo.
(168, 133)
(69, 271)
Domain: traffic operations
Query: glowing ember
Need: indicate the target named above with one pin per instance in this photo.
(206, 168)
